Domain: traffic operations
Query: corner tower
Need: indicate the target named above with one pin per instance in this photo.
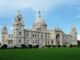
(74, 35)
(18, 30)
(4, 35)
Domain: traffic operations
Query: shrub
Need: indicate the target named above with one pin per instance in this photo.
(71, 46)
(78, 46)
(23, 46)
(64, 46)
(75, 45)
(15, 47)
(48, 46)
(29, 46)
(54, 46)
(37, 46)
(43, 47)
(4, 46)
(58, 46)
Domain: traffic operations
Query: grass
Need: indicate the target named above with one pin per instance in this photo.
(40, 54)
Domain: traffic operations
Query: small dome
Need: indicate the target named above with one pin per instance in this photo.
(18, 18)
(18, 13)
(73, 28)
(57, 28)
(4, 27)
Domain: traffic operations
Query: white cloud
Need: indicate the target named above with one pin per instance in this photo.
(44, 5)
(78, 37)
(9, 6)
(78, 17)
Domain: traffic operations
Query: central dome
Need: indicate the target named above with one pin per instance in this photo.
(40, 21)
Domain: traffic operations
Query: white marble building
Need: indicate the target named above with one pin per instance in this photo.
(38, 35)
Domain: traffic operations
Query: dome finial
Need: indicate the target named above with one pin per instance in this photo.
(39, 13)
(18, 13)
(73, 26)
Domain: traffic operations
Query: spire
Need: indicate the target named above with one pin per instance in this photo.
(4, 29)
(39, 14)
(18, 18)
(39, 23)
(18, 13)
(39, 20)
(74, 27)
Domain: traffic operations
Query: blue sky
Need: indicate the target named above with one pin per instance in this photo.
(56, 13)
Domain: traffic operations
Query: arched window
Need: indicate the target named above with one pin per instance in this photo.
(19, 41)
(33, 35)
(10, 41)
(57, 39)
(33, 41)
(27, 41)
(41, 36)
(19, 19)
(52, 42)
(19, 33)
(48, 42)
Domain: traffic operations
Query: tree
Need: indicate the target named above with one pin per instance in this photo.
(78, 46)
(0, 44)
(75, 45)
(4, 46)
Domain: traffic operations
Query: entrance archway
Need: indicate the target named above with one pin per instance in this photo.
(57, 39)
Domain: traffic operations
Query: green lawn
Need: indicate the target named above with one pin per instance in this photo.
(40, 54)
